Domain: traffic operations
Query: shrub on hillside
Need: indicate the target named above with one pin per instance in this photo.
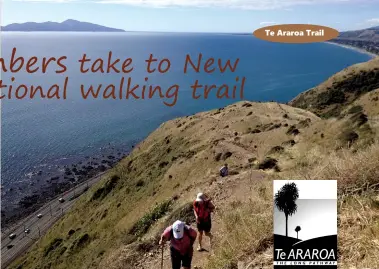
(103, 191)
(276, 149)
(289, 143)
(359, 118)
(233, 173)
(143, 224)
(163, 164)
(332, 96)
(80, 242)
(348, 137)
(218, 156)
(246, 105)
(53, 245)
(269, 163)
(304, 123)
(293, 130)
(226, 155)
(355, 109)
(183, 213)
(140, 183)
(333, 112)
(360, 83)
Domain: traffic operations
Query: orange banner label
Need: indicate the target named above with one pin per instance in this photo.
(296, 33)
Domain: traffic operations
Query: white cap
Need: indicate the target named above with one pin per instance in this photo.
(178, 229)
(200, 197)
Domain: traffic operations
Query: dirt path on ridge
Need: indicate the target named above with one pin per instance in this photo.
(222, 192)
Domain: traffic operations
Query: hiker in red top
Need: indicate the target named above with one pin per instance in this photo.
(181, 237)
(203, 207)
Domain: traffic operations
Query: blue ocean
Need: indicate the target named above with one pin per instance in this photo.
(42, 133)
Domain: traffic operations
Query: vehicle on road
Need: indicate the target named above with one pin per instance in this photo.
(61, 200)
(9, 246)
(12, 236)
(39, 216)
(27, 230)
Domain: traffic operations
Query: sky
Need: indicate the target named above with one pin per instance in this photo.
(227, 16)
(311, 189)
(316, 218)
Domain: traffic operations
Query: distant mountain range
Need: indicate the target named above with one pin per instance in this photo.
(366, 39)
(371, 34)
(66, 26)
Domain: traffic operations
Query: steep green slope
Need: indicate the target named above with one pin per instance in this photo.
(331, 97)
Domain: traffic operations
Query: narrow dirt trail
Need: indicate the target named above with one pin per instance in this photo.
(223, 192)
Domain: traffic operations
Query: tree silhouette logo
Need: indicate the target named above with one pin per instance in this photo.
(305, 224)
(285, 200)
(297, 230)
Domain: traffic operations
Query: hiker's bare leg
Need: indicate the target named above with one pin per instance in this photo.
(209, 234)
(200, 237)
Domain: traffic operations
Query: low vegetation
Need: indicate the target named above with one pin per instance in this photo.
(246, 230)
(184, 213)
(331, 97)
(52, 246)
(142, 225)
(103, 191)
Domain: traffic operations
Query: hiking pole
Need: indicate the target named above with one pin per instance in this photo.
(251, 176)
(162, 257)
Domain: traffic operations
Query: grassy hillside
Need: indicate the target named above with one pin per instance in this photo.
(331, 97)
(117, 223)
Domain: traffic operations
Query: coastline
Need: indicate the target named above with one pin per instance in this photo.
(44, 184)
(373, 55)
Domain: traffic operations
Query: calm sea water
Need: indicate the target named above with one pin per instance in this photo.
(39, 132)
